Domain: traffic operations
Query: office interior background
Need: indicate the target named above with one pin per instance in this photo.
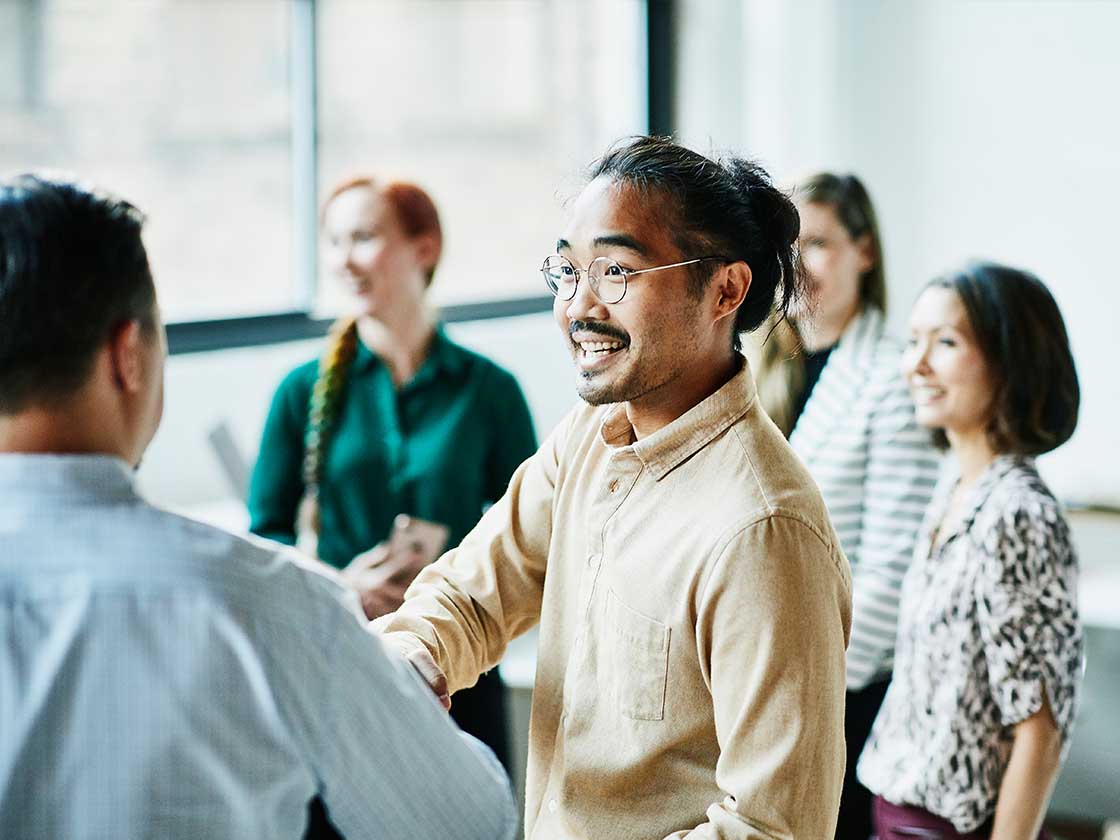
(983, 128)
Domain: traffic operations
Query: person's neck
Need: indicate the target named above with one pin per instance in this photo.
(818, 336)
(658, 408)
(973, 452)
(402, 343)
(63, 431)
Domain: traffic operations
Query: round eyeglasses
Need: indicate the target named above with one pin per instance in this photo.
(605, 276)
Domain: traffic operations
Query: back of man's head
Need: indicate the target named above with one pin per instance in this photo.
(72, 268)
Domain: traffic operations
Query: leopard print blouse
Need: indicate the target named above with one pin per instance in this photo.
(988, 622)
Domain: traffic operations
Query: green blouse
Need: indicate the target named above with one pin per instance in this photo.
(441, 448)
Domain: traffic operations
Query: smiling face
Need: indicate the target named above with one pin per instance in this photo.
(948, 375)
(835, 264)
(365, 247)
(654, 343)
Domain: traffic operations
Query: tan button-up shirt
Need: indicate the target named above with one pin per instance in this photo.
(694, 608)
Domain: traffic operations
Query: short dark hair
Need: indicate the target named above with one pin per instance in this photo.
(72, 268)
(1023, 338)
(727, 207)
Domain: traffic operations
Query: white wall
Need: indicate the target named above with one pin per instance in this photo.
(983, 128)
(202, 389)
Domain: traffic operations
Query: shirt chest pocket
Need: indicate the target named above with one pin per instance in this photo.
(637, 660)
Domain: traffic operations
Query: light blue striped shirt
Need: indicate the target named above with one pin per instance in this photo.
(162, 678)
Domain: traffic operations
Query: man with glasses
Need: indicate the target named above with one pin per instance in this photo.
(693, 601)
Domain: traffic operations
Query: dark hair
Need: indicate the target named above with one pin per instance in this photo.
(727, 207)
(849, 200)
(1023, 338)
(72, 267)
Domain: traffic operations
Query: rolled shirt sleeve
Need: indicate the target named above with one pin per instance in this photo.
(1027, 610)
(467, 606)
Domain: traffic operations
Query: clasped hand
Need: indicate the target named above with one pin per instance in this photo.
(381, 575)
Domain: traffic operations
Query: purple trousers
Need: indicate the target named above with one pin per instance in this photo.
(905, 822)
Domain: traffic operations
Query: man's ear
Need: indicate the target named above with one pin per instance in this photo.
(126, 356)
(732, 282)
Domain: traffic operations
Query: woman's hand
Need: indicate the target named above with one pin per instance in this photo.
(381, 575)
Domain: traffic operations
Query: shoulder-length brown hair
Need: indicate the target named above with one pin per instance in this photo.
(780, 359)
(850, 201)
(1021, 334)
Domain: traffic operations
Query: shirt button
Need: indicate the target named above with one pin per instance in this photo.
(552, 806)
(592, 560)
(613, 485)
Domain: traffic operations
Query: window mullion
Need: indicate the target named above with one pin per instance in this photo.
(305, 154)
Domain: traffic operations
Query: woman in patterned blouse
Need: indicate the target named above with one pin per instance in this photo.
(988, 662)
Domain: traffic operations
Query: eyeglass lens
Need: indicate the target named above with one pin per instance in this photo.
(607, 278)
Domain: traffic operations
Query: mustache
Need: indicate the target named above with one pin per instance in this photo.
(598, 328)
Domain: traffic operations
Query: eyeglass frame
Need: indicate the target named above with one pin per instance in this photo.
(627, 273)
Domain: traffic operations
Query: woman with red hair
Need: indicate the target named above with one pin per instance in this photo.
(394, 419)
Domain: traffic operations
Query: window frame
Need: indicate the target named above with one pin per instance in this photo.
(299, 324)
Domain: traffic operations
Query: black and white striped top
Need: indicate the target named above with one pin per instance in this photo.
(876, 469)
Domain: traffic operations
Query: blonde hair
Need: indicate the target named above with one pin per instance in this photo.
(323, 409)
(781, 370)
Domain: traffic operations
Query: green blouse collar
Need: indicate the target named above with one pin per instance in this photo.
(444, 357)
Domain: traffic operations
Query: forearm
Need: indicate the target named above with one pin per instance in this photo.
(466, 607)
(463, 638)
(405, 770)
(1029, 779)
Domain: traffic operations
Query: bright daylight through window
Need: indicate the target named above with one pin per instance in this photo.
(193, 110)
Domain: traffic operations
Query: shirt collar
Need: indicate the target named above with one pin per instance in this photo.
(982, 490)
(672, 445)
(30, 475)
(444, 356)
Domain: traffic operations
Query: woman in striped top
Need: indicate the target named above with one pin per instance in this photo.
(831, 381)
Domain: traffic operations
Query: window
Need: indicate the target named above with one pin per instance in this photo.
(225, 121)
(493, 107)
(183, 108)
